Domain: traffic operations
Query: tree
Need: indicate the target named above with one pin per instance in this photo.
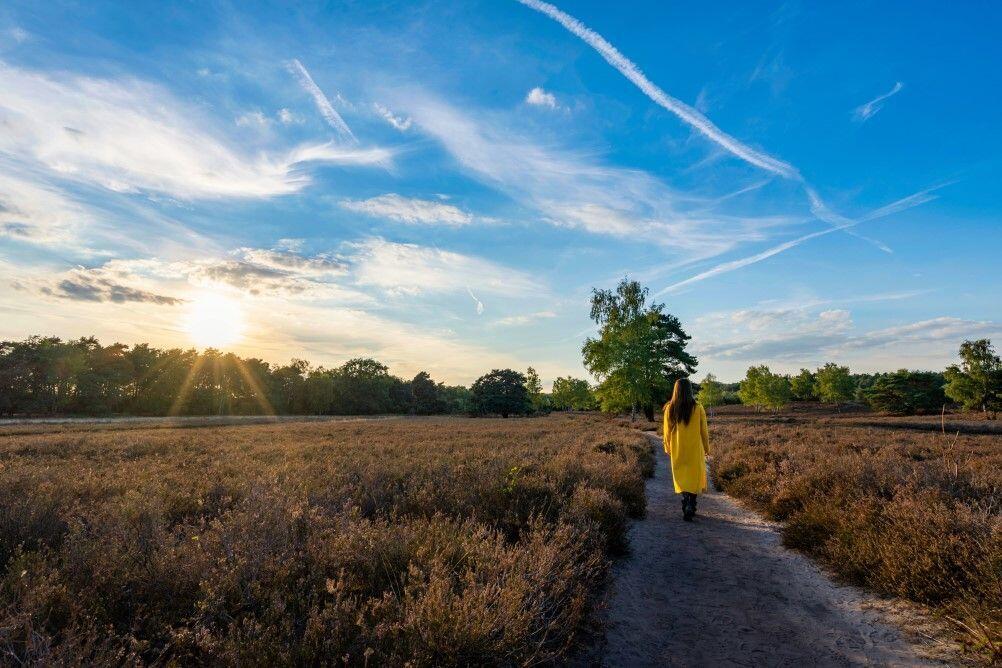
(534, 390)
(572, 393)
(977, 382)
(833, 383)
(639, 352)
(711, 393)
(802, 386)
(501, 391)
(906, 392)
(426, 395)
(764, 389)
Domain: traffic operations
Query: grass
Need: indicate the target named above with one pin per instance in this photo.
(905, 512)
(433, 542)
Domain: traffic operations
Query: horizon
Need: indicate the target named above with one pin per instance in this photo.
(439, 186)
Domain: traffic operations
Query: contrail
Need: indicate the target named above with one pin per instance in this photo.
(894, 207)
(323, 104)
(691, 116)
(688, 114)
(864, 111)
(480, 304)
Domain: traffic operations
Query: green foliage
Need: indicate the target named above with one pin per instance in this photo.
(977, 382)
(639, 352)
(833, 383)
(802, 386)
(502, 392)
(764, 389)
(711, 393)
(534, 389)
(572, 393)
(906, 392)
(51, 376)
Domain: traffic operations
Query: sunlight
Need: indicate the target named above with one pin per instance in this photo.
(214, 320)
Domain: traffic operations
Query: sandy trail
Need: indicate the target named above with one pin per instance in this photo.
(723, 591)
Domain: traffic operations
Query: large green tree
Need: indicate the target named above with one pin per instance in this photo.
(572, 393)
(977, 382)
(639, 352)
(711, 393)
(802, 386)
(764, 389)
(906, 392)
(834, 383)
(502, 391)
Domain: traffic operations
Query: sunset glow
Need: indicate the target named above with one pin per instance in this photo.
(214, 320)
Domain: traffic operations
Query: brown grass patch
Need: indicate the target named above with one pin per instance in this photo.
(906, 513)
(434, 542)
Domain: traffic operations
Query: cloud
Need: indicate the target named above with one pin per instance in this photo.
(98, 285)
(894, 207)
(864, 111)
(480, 304)
(410, 210)
(540, 98)
(323, 104)
(286, 117)
(399, 122)
(411, 269)
(19, 34)
(253, 119)
(38, 214)
(130, 136)
(689, 115)
(683, 111)
(524, 318)
(575, 190)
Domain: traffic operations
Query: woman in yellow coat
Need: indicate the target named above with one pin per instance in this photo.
(687, 442)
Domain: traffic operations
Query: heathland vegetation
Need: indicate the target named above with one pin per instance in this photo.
(423, 542)
(906, 512)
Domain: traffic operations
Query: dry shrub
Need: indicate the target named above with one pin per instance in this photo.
(906, 513)
(428, 542)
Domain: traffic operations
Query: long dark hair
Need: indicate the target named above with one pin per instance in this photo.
(682, 403)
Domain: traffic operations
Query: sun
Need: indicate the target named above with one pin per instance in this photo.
(214, 320)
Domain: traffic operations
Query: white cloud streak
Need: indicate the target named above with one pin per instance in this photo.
(894, 207)
(130, 136)
(410, 210)
(864, 111)
(683, 111)
(689, 115)
(401, 123)
(324, 105)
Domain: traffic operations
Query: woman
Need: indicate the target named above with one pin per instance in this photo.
(687, 441)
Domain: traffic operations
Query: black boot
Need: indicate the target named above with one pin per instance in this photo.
(688, 506)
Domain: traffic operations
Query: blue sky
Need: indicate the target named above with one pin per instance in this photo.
(440, 184)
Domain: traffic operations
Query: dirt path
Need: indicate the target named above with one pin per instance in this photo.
(723, 591)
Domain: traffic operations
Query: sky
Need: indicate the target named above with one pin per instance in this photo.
(441, 184)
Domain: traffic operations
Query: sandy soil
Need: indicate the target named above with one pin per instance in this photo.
(723, 591)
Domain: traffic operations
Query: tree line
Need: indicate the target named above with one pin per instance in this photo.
(974, 384)
(50, 376)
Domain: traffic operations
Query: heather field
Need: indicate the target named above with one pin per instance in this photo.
(435, 541)
(906, 507)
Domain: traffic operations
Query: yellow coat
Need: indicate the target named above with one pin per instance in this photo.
(688, 445)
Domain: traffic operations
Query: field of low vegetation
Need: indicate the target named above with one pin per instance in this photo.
(433, 541)
(905, 511)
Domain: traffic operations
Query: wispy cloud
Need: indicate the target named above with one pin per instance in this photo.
(683, 111)
(692, 117)
(401, 123)
(576, 190)
(865, 111)
(130, 136)
(324, 105)
(480, 304)
(410, 210)
(524, 318)
(894, 207)
(540, 98)
(94, 286)
(409, 269)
